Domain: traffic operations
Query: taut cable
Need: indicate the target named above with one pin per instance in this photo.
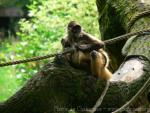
(107, 42)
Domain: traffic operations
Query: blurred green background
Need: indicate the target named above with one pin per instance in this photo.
(40, 34)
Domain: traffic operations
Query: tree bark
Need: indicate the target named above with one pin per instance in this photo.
(58, 87)
(117, 13)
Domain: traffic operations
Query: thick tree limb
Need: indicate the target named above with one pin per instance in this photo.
(52, 91)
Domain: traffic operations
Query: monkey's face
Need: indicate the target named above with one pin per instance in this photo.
(74, 29)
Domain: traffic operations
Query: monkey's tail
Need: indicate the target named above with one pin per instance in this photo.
(100, 99)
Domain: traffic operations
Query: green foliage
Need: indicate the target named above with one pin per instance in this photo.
(41, 35)
(8, 82)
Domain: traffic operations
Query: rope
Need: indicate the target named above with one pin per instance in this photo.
(34, 58)
(100, 100)
(107, 42)
(135, 97)
(136, 17)
(125, 36)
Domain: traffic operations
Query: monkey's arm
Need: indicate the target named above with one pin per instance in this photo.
(89, 43)
(88, 47)
(65, 42)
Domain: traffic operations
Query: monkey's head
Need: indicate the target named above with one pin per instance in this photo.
(74, 29)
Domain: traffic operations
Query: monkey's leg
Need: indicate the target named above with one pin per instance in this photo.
(79, 57)
(106, 74)
(98, 65)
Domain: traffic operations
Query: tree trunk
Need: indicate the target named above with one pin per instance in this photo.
(58, 87)
(114, 19)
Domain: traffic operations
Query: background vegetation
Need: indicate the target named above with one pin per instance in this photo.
(41, 35)
(13, 3)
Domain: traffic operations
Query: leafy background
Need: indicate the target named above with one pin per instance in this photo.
(40, 34)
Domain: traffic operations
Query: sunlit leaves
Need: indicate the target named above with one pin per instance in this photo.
(41, 34)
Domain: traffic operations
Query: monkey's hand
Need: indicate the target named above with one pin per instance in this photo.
(76, 46)
(89, 47)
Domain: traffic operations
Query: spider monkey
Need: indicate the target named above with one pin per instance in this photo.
(88, 54)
